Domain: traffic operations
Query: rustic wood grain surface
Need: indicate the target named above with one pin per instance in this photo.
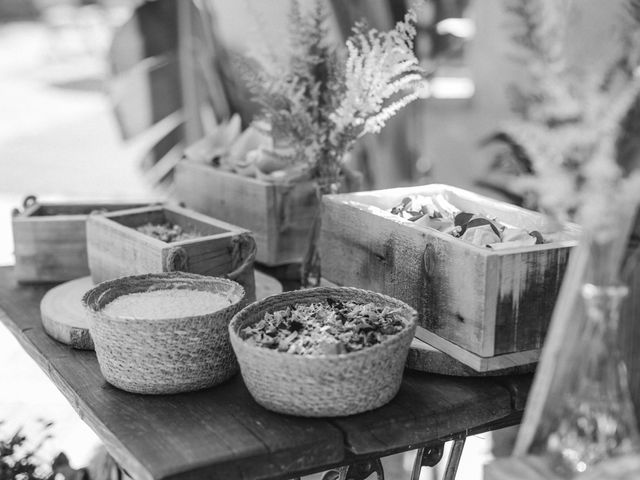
(222, 433)
(426, 358)
(63, 316)
(278, 215)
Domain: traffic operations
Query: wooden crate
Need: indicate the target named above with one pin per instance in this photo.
(489, 309)
(50, 241)
(279, 216)
(115, 248)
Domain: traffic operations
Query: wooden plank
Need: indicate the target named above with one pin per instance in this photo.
(218, 433)
(247, 203)
(114, 252)
(446, 406)
(478, 363)
(425, 358)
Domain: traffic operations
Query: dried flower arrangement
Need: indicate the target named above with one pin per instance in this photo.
(318, 101)
(167, 232)
(481, 230)
(331, 327)
(574, 149)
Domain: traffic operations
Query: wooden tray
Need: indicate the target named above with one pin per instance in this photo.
(426, 358)
(518, 362)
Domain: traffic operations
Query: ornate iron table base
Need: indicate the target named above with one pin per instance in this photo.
(428, 456)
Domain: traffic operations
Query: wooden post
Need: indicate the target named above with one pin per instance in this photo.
(187, 65)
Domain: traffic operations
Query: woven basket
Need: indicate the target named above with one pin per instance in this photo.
(322, 385)
(163, 355)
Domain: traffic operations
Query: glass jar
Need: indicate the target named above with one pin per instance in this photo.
(597, 418)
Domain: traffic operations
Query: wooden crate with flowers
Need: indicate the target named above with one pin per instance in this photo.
(316, 104)
(482, 274)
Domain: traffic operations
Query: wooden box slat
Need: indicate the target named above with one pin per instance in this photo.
(116, 248)
(50, 240)
(488, 302)
(278, 215)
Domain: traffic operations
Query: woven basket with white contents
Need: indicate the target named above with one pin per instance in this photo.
(163, 355)
(322, 385)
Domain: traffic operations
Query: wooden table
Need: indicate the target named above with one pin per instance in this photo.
(221, 433)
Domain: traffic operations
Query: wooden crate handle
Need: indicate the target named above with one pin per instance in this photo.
(429, 259)
(29, 200)
(240, 244)
(176, 260)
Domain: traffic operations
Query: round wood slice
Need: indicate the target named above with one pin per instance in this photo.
(426, 358)
(63, 316)
(266, 285)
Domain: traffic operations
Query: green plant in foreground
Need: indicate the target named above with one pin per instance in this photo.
(19, 458)
(574, 147)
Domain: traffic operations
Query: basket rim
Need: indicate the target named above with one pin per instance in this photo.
(410, 323)
(162, 276)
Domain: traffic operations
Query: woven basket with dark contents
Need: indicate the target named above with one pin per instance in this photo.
(163, 355)
(322, 385)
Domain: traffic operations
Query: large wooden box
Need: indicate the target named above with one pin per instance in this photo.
(116, 248)
(473, 302)
(49, 239)
(279, 216)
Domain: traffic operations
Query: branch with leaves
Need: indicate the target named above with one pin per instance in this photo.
(318, 101)
(575, 145)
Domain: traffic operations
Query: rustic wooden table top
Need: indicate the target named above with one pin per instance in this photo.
(221, 433)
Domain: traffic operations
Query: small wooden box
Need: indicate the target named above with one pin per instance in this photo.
(116, 248)
(50, 241)
(279, 216)
(474, 303)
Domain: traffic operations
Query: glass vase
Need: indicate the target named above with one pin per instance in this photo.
(329, 180)
(597, 418)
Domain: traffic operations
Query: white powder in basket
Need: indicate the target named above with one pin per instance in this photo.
(168, 303)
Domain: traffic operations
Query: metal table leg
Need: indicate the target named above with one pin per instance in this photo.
(426, 457)
(431, 456)
(357, 471)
